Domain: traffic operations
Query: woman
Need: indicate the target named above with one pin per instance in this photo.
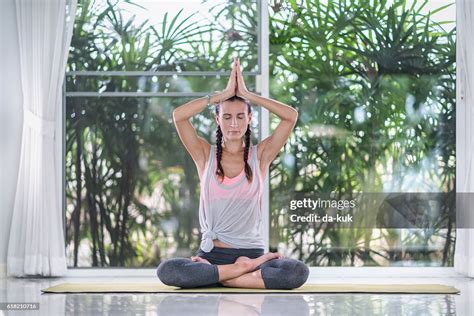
(232, 247)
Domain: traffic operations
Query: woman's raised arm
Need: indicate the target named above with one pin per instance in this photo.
(270, 146)
(194, 144)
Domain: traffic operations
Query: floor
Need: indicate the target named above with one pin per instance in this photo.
(28, 290)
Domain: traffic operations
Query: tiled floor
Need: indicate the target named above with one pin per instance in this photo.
(29, 290)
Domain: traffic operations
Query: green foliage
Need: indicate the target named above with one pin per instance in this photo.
(374, 86)
(132, 190)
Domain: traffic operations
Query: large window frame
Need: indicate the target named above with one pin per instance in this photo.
(262, 88)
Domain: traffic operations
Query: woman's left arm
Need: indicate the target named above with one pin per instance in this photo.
(271, 145)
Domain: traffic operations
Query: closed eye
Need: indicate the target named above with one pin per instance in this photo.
(239, 117)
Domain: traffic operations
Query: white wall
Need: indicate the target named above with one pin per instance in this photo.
(11, 119)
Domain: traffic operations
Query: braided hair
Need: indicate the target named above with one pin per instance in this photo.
(220, 170)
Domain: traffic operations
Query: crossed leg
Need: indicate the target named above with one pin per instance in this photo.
(241, 267)
(273, 274)
(196, 272)
(263, 272)
(251, 280)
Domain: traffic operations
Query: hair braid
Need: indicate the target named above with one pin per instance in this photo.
(220, 170)
(248, 170)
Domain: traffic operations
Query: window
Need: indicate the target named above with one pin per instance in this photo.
(132, 190)
(374, 85)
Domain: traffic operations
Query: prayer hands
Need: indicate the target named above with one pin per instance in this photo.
(236, 85)
(231, 87)
(241, 88)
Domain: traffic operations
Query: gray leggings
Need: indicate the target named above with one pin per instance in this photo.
(185, 273)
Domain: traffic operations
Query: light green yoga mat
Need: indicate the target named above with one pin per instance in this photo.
(307, 288)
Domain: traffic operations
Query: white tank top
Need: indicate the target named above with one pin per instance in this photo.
(231, 211)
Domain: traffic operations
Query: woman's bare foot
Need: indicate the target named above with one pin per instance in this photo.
(243, 265)
(243, 259)
(199, 259)
(254, 263)
(272, 255)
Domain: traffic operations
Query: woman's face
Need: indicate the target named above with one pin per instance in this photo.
(233, 119)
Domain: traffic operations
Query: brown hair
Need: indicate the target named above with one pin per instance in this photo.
(220, 170)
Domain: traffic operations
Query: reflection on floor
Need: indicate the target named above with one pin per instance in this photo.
(29, 290)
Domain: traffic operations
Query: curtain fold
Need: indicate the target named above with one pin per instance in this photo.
(36, 244)
(464, 254)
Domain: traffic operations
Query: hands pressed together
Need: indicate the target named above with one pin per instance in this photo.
(236, 85)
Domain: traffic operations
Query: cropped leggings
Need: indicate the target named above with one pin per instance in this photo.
(185, 273)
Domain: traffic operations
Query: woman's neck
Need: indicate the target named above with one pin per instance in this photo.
(233, 147)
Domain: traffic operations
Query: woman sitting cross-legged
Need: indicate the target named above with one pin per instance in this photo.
(231, 175)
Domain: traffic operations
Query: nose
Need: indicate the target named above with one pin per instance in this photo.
(233, 122)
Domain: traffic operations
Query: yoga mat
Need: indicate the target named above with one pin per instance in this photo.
(307, 288)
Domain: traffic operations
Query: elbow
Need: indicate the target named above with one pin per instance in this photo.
(294, 116)
(176, 117)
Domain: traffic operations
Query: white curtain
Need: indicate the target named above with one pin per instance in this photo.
(464, 254)
(36, 245)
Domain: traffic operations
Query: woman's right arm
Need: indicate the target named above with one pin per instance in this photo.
(194, 144)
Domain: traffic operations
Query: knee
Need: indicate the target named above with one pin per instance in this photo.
(169, 271)
(290, 274)
(298, 275)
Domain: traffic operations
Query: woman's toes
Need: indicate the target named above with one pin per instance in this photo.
(277, 255)
(272, 255)
(199, 259)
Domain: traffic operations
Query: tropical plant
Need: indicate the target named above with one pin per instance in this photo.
(374, 86)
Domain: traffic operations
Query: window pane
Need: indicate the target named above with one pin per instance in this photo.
(375, 89)
(164, 35)
(132, 188)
